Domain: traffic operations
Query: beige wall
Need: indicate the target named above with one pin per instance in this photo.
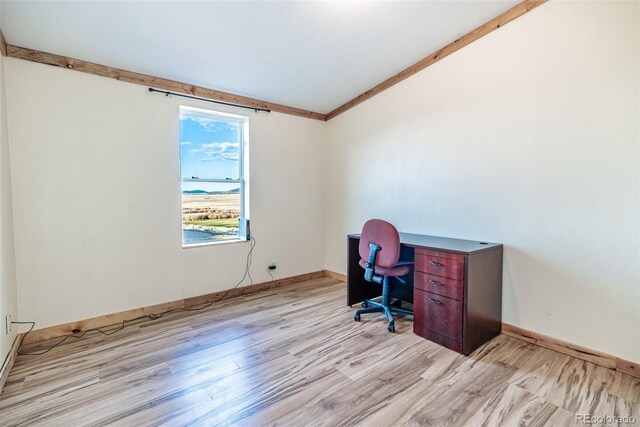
(96, 186)
(8, 284)
(528, 137)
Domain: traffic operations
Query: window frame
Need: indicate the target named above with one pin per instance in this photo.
(243, 168)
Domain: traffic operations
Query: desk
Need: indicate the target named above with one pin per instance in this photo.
(456, 288)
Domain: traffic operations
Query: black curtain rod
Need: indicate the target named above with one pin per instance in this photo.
(167, 93)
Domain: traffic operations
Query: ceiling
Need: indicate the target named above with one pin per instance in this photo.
(314, 55)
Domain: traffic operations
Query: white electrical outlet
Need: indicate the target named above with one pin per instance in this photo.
(8, 322)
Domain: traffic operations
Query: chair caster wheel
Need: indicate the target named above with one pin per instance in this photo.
(391, 327)
(365, 305)
(356, 317)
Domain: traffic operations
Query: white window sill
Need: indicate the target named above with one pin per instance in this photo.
(222, 242)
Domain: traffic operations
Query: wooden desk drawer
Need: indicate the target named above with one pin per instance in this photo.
(443, 267)
(437, 313)
(450, 343)
(438, 285)
(439, 254)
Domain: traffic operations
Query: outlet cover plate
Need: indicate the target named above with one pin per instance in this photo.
(8, 324)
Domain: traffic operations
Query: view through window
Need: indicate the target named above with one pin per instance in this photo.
(212, 161)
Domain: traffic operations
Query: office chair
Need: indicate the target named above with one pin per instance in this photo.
(379, 252)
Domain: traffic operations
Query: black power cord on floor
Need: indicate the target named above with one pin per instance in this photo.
(151, 316)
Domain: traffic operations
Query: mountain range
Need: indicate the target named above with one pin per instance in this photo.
(234, 191)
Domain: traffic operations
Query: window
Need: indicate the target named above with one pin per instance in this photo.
(214, 166)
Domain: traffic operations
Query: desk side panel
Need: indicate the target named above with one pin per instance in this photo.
(483, 298)
(358, 289)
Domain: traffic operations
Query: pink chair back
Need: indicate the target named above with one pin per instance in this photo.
(386, 236)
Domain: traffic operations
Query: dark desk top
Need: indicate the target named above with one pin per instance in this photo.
(443, 243)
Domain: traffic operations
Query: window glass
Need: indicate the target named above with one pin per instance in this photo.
(212, 162)
(209, 147)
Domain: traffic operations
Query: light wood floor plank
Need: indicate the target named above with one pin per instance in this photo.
(293, 356)
(516, 406)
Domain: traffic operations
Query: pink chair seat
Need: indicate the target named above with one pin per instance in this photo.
(397, 270)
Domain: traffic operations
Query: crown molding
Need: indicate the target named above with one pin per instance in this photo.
(156, 82)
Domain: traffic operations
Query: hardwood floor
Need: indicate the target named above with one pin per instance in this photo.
(293, 356)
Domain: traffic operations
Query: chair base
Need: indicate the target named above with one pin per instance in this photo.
(378, 307)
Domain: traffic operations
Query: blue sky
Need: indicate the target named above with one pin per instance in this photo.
(209, 148)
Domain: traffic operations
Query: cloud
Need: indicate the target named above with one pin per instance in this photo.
(217, 151)
(212, 125)
(186, 143)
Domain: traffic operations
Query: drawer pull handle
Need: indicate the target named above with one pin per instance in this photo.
(435, 301)
(435, 282)
(437, 264)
